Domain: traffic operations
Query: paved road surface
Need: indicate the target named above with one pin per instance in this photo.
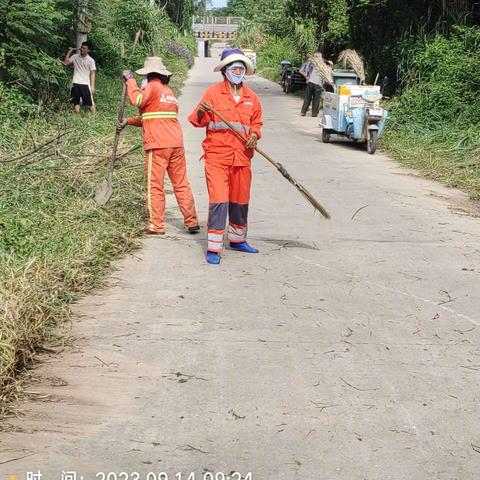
(347, 349)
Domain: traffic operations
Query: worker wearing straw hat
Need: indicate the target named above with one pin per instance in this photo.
(227, 158)
(163, 142)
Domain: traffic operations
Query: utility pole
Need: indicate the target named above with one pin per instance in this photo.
(83, 27)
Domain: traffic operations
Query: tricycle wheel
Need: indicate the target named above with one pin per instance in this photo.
(325, 135)
(372, 141)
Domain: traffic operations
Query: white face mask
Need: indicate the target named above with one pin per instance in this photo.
(233, 78)
(144, 81)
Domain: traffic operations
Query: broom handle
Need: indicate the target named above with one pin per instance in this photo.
(277, 165)
(121, 110)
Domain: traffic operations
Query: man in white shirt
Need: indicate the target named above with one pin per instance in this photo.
(313, 92)
(83, 77)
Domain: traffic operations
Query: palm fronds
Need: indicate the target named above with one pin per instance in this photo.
(351, 59)
(323, 68)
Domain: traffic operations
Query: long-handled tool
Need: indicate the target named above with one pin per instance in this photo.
(311, 199)
(104, 192)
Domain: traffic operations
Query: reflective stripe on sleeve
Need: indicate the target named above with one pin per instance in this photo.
(152, 115)
(223, 126)
(139, 99)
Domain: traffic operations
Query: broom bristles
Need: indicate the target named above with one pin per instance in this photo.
(323, 68)
(350, 58)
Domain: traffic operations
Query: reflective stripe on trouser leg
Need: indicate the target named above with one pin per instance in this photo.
(237, 228)
(215, 241)
(239, 196)
(237, 234)
(217, 218)
(217, 177)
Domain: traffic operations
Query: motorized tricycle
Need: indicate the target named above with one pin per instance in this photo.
(353, 110)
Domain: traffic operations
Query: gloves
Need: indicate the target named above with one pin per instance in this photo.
(127, 74)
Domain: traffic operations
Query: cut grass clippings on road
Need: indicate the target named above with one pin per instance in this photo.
(56, 244)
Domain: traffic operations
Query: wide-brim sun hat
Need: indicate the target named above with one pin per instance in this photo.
(230, 55)
(153, 65)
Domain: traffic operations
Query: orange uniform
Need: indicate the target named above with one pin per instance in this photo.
(227, 161)
(163, 142)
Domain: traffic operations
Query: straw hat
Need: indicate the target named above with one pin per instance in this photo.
(230, 55)
(153, 65)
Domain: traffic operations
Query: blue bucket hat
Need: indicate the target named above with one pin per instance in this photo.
(230, 55)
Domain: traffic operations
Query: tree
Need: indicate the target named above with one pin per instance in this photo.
(82, 23)
(32, 35)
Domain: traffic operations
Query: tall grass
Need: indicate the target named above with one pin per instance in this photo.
(435, 123)
(55, 243)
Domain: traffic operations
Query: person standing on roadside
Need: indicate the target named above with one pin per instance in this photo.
(227, 158)
(84, 72)
(313, 92)
(163, 143)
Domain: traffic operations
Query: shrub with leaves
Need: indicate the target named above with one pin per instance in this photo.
(443, 83)
(32, 36)
(175, 49)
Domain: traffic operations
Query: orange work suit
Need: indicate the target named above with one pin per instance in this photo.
(163, 142)
(227, 161)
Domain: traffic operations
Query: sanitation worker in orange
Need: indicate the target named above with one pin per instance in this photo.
(227, 158)
(163, 142)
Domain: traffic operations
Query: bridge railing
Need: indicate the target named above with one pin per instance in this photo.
(213, 20)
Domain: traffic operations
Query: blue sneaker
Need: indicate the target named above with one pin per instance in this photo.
(243, 247)
(213, 258)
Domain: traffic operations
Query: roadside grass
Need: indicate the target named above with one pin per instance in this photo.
(56, 244)
(446, 153)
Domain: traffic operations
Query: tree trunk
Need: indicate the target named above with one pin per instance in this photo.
(82, 27)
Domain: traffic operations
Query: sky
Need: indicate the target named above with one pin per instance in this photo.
(219, 3)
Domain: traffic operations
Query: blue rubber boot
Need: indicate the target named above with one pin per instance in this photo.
(213, 258)
(243, 247)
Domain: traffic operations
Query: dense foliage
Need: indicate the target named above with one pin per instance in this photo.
(429, 49)
(55, 242)
(34, 34)
(385, 32)
(31, 38)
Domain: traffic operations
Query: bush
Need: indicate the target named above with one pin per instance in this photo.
(31, 35)
(275, 50)
(138, 15)
(435, 123)
(173, 48)
(106, 49)
(443, 80)
(14, 106)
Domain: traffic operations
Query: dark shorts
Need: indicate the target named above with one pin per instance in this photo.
(81, 92)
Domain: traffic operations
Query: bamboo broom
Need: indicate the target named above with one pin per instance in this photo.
(309, 197)
(350, 58)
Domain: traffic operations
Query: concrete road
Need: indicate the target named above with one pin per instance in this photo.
(347, 349)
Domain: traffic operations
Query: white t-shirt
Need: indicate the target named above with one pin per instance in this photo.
(82, 66)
